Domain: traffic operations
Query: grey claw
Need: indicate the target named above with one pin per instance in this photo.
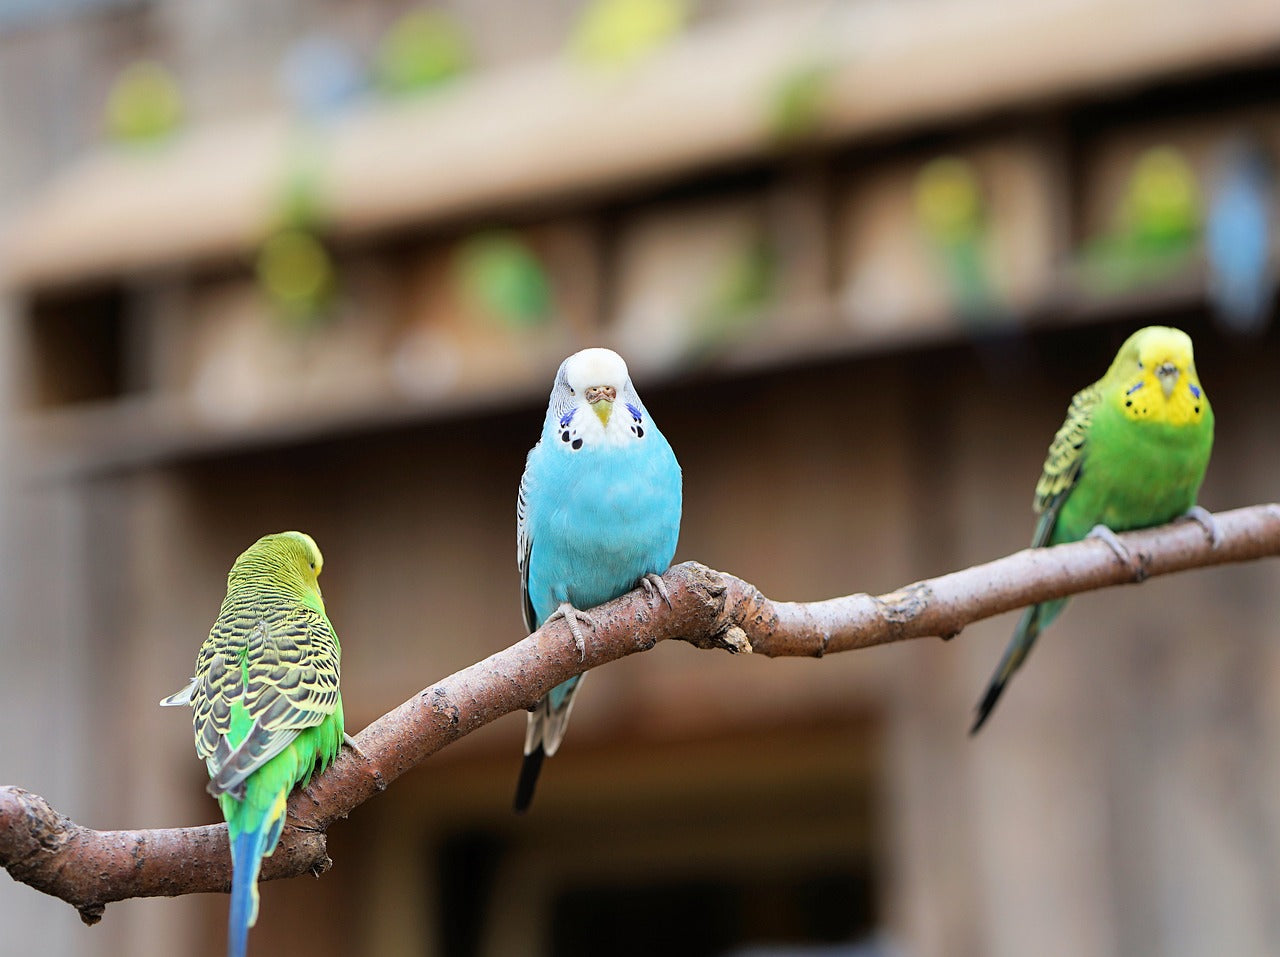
(1204, 518)
(571, 618)
(653, 582)
(1103, 533)
(351, 743)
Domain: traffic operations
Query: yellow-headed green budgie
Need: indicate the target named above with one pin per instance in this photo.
(1131, 454)
(267, 708)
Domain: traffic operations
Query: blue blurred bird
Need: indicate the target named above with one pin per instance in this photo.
(321, 77)
(1238, 237)
(598, 514)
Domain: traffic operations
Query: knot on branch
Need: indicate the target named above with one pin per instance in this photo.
(727, 613)
(28, 826)
(45, 826)
(902, 606)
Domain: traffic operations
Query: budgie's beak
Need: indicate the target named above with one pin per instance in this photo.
(1167, 373)
(601, 398)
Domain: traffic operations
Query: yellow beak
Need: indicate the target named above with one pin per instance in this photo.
(601, 398)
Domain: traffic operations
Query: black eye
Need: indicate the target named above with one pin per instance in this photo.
(1139, 363)
(313, 566)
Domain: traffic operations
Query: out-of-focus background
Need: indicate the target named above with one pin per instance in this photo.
(313, 265)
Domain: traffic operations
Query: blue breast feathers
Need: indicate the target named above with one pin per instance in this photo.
(599, 520)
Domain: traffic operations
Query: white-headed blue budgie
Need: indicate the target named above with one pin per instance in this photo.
(598, 514)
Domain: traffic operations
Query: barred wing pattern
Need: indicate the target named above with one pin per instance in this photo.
(524, 546)
(280, 661)
(1063, 464)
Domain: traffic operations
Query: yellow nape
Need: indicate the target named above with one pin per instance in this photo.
(310, 547)
(1154, 378)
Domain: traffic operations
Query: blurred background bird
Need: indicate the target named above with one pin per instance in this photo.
(145, 104)
(1239, 237)
(619, 33)
(951, 213)
(502, 278)
(1157, 225)
(422, 51)
(321, 76)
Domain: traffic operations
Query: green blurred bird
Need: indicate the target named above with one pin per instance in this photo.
(144, 105)
(618, 33)
(951, 212)
(1157, 225)
(297, 274)
(1131, 454)
(424, 49)
(502, 277)
(267, 707)
(798, 100)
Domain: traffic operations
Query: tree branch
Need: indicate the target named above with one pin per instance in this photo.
(709, 609)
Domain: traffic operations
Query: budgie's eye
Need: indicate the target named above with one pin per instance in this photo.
(313, 566)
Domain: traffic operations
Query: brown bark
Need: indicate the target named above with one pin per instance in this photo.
(709, 609)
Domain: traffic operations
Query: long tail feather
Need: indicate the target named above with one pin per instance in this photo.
(547, 724)
(1024, 636)
(529, 769)
(248, 848)
(246, 859)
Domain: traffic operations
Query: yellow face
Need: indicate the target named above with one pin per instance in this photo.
(1158, 381)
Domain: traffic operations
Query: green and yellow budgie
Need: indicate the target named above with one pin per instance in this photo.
(267, 708)
(1131, 454)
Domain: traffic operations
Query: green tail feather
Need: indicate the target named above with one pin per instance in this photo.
(1034, 620)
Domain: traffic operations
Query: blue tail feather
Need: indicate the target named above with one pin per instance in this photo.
(246, 858)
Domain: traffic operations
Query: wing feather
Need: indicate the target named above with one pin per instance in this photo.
(281, 665)
(524, 546)
(1065, 461)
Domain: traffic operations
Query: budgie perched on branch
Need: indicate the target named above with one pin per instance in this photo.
(1131, 454)
(598, 513)
(267, 708)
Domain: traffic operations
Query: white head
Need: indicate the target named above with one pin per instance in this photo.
(593, 402)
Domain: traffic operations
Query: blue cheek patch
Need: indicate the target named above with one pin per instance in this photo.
(567, 418)
(1135, 388)
(635, 413)
(1195, 390)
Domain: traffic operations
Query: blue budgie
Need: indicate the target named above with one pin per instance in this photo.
(597, 515)
(1238, 238)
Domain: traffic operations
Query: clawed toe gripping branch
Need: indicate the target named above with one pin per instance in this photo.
(709, 609)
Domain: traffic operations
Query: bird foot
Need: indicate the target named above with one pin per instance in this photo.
(1121, 551)
(654, 583)
(572, 617)
(351, 743)
(1204, 518)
